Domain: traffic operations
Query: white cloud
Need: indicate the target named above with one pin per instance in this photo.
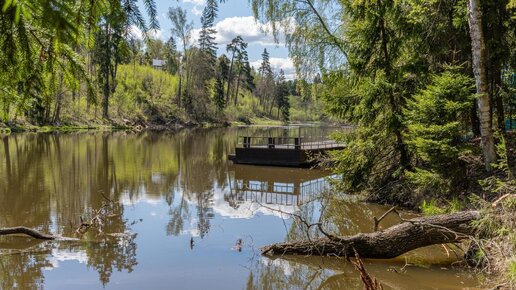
(196, 10)
(252, 32)
(278, 63)
(138, 33)
(135, 32)
(197, 6)
(195, 2)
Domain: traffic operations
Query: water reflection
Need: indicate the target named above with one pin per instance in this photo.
(275, 185)
(170, 188)
(333, 273)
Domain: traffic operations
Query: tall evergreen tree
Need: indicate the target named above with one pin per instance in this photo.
(265, 67)
(207, 43)
(234, 47)
(281, 96)
(171, 55)
(223, 64)
(219, 93)
(241, 64)
(266, 84)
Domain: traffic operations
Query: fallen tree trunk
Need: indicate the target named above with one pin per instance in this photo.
(27, 231)
(389, 243)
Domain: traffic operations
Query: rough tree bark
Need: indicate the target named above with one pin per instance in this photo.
(478, 49)
(389, 243)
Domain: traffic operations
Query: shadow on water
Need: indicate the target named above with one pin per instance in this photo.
(181, 209)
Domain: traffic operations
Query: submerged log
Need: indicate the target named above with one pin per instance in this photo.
(26, 231)
(389, 243)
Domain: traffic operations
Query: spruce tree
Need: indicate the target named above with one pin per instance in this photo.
(219, 93)
(436, 133)
(265, 68)
(281, 96)
(207, 44)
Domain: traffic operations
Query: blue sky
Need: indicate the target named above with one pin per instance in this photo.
(235, 18)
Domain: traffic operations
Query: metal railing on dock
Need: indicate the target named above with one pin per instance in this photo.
(290, 137)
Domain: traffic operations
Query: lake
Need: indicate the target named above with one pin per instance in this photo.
(179, 215)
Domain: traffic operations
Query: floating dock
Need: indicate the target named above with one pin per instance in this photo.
(284, 146)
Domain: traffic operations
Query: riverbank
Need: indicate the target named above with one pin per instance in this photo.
(102, 125)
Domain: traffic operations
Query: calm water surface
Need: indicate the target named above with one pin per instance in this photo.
(184, 217)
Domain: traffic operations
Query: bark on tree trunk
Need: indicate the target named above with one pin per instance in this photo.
(238, 86)
(475, 122)
(230, 76)
(480, 71)
(389, 243)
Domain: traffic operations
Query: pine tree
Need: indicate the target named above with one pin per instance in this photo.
(265, 68)
(172, 55)
(207, 44)
(242, 60)
(234, 47)
(223, 63)
(281, 96)
(219, 93)
(266, 84)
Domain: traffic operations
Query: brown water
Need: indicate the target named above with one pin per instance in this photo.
(170, 189)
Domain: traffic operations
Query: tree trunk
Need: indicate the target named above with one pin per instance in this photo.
(497, 96)
(480, 71)
(475, 122)
(179, 90)
(237, 87)
(230, 76)
(105, 101)
(59, 101)
(389, 243)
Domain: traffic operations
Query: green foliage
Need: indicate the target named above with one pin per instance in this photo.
(436, 135)
(218, 96)
(145, 94)
(431, 208)
(497, 184)
(511, 271)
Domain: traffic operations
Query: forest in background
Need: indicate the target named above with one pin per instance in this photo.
(79, 63)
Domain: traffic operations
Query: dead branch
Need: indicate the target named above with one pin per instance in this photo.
(97, 220)
(378, 220)
(369, 282)
(26, 231)
(503, 197)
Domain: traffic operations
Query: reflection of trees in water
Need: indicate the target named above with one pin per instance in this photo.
(58, 177)
(112, 253)
(202, 158)
(23, 270)
(178, 215)
(281, 274)
(349, 218)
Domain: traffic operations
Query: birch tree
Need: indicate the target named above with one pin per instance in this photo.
(478, 49)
